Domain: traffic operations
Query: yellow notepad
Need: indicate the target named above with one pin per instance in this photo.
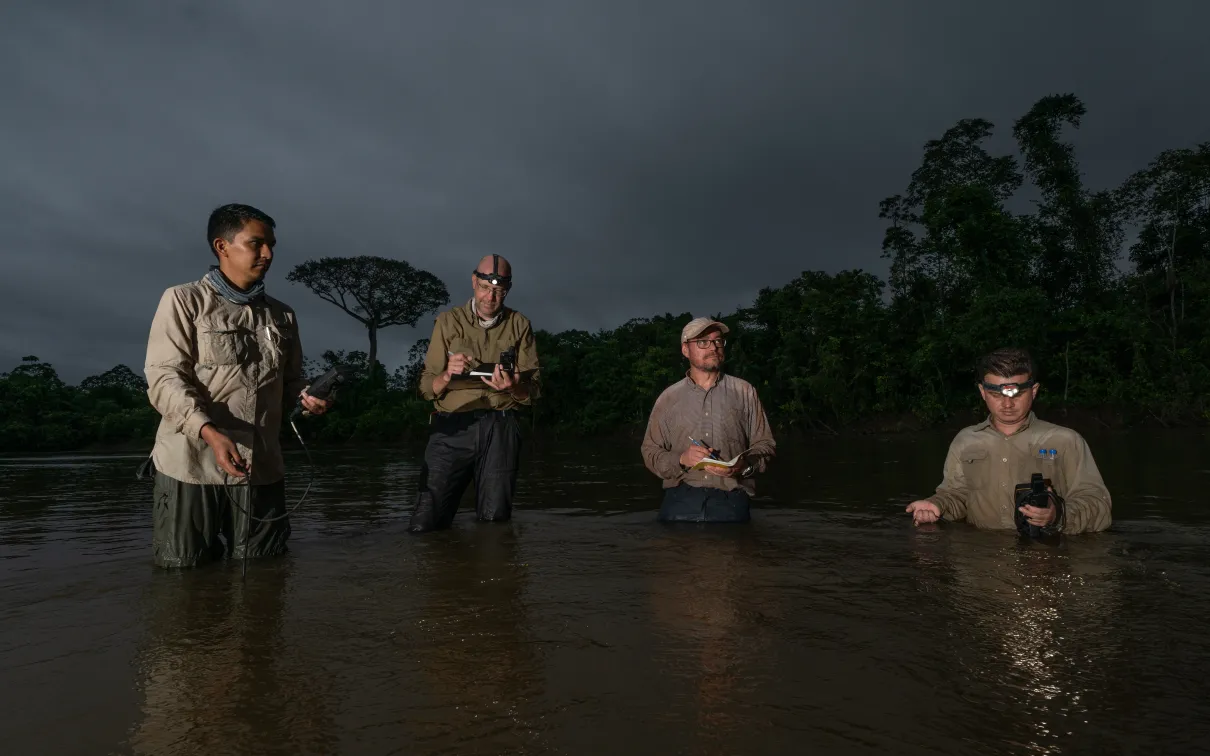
(706, 462)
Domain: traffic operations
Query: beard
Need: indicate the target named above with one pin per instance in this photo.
(709, 366)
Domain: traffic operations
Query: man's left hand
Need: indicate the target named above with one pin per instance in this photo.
(313, 405)
(500, 380)
(1038, 517)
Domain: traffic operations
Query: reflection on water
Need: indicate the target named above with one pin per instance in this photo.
(827, 625)
(469, 641)
(1035, 628)
(695, 580)
(214, 674)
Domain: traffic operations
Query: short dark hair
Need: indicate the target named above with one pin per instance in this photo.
(1007, 362)
(228, 220)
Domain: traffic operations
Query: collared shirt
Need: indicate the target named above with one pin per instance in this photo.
(983, 467)
(212, 361)
(728, 417)
(459, 330)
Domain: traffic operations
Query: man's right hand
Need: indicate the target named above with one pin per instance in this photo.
(695, 454)
(924, 511)
(226, 453)
(456, 365)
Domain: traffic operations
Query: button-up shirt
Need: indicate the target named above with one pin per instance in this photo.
(460, 330)
(983, 467)
(728, 416)
(236, 366)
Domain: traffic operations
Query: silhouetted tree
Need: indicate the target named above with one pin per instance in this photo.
(1077, 232)
(377, 291)
(120, 378)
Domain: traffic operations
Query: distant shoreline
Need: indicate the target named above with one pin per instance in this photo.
(1083, 420)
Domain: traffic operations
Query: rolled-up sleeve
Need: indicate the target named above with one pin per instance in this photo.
(951, 495)
(1086, 504)
(295, 379)
(171, 356)
(434, 361)
(761, 445)
(528, 365)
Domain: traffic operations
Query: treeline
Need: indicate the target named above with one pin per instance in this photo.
(832, 351)
(39, 412)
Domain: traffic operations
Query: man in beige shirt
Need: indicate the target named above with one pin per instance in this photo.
(223, 362)
(712, 415)
(481, 366)
(987, 461)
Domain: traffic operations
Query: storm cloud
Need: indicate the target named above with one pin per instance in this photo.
(629, 158)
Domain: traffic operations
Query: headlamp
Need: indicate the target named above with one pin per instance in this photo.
(495, 278)
(1008, 389)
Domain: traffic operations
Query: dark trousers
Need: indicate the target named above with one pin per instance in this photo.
(482, 444)
(686, 503)
(194, 524)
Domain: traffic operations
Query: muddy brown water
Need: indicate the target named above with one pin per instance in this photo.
(827, 625)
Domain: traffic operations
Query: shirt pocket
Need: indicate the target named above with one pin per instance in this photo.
(283, 341)
(1039, 454)
(975, 467)
(219, 346)
(1041, 461)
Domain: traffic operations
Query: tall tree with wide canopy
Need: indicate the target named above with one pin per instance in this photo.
(376, 291)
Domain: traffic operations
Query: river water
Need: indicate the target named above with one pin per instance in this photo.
(827, 625)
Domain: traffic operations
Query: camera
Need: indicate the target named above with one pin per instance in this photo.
(1035, 493)
(508, 361)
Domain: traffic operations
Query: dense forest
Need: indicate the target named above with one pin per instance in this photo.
(1108, 288)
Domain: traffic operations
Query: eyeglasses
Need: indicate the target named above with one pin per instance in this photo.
(502, 290)
(489, 280)
(707, 343)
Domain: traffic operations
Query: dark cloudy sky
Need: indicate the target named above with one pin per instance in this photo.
(630, 158)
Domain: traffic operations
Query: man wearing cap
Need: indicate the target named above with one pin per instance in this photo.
(708, 415)
(986, 462)
(481, 366)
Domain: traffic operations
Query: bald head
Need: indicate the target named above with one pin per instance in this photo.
(503, 267)
(491, 287)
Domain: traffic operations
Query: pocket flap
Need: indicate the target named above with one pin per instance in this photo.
(218, 346)
(972, 455)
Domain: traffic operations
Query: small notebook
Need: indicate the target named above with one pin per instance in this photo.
(485, 370)
(706, 462)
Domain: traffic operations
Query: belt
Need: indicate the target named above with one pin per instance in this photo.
(475, 413)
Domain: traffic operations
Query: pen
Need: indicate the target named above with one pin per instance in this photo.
(695, 442)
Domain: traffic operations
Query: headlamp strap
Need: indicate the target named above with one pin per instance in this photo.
(494, 278)
(1008, 389)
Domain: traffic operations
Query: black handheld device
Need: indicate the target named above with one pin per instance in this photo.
(1034, 494)
(508, 361)
(321, 388)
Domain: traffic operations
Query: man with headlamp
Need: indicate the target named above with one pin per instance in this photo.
(481, 366)
(989, 465)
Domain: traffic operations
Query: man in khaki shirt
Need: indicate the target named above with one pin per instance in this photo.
(223, 361)
(481, 365)
(987, 461)
(711, 415)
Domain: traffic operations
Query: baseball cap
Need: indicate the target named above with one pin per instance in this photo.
(698, 326)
